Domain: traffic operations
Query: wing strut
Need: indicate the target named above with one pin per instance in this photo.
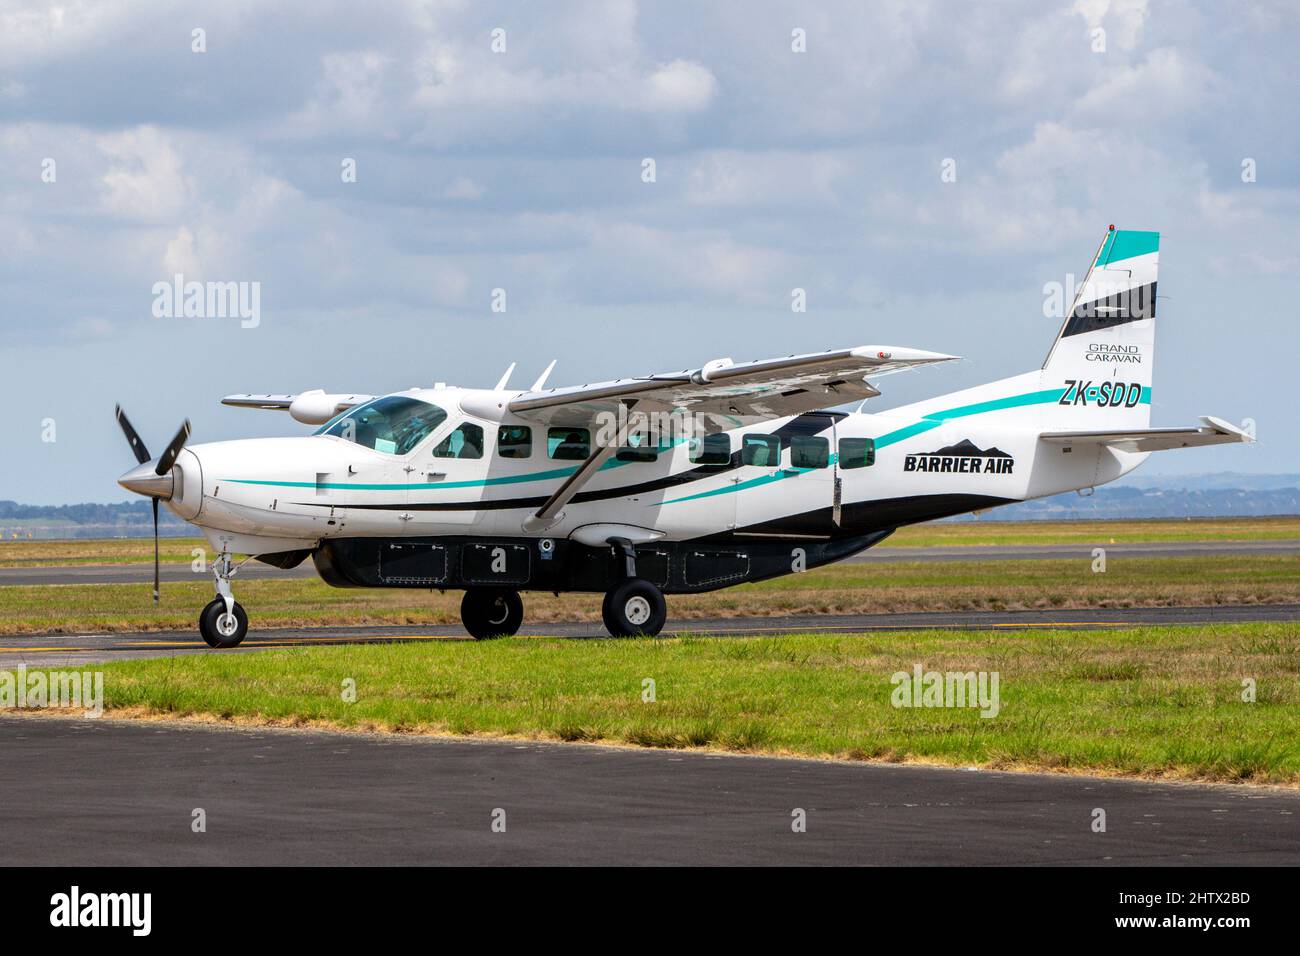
(551, 512)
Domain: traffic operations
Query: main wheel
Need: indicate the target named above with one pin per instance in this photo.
(634, 608)
(220, 629)
(489, 612)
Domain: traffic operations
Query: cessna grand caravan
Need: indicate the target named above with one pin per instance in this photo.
(674, 483)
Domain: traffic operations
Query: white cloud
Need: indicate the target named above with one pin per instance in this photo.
(144, 179)
(680, 86)
(1165, 84)
(181, 256)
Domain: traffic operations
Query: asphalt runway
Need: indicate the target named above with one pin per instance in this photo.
(102, 792)
(51, 650)
(143, 573)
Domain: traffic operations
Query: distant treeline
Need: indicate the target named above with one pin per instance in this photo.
(87, 513)
(1156, 503)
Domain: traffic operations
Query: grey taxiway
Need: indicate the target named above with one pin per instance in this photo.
(107, 792)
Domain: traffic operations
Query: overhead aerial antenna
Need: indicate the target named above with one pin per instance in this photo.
(505, 378)
(541, 379)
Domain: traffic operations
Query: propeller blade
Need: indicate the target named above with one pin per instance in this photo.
(155, 550)
(168, 457)
(137, 446)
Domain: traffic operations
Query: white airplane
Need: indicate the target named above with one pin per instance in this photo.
(673, 483)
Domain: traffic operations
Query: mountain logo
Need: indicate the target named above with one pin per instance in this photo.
(963, 458)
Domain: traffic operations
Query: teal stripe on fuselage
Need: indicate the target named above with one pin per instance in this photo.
(935, 419)
(351, 486)
(931, 420)
(431, 486)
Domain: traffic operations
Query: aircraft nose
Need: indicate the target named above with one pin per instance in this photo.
(145, 480)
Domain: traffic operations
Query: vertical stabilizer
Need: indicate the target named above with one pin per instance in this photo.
(1104, 350)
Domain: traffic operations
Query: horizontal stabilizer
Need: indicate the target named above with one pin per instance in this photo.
(1212, 431)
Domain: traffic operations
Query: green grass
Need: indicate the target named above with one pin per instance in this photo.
(83, 551)
(1159, 702)
(837, 589)
(1128, 531)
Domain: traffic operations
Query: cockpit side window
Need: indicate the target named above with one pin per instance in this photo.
(393, 425)
(465, 441)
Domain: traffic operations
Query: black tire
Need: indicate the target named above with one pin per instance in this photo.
(634, 608)
(218, 632)
(491, 612)
(203, 629)
(604, 610)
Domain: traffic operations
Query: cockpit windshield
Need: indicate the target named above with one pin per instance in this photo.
(393, 425)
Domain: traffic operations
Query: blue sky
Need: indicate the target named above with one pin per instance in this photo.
(522, 170)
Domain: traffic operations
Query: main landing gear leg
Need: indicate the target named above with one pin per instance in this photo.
(223, 622)
(633, 607)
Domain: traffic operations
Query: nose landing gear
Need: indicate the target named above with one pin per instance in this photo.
(223, 623)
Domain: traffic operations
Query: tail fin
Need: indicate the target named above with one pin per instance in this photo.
(1103, 353)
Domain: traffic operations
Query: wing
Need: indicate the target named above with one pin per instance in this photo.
(1213, 431)
(274, 402)
(723, 395)
(314, 407)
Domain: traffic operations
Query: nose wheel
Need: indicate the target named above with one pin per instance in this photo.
(221, 628)
(223, 622)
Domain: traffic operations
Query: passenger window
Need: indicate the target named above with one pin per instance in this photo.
(857, 452)
(465, 442)
(638, 448)
(711, 450)
(762, 451)
(808, 451)
(515, 441)
(568, 444)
